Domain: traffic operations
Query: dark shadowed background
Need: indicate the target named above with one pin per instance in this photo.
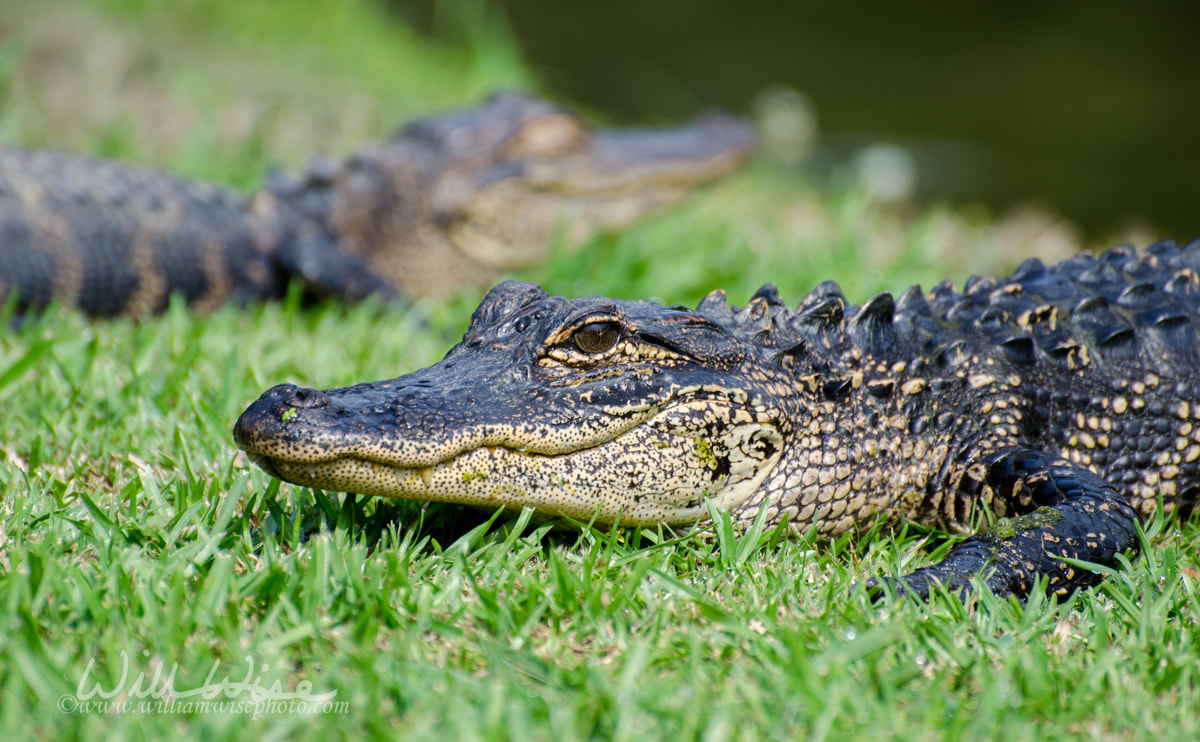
(1092, 108)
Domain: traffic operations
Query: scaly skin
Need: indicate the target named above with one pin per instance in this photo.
(1063, 400)
(448, 202)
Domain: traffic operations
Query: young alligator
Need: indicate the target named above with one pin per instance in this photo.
(449, 201)
(1065, 400)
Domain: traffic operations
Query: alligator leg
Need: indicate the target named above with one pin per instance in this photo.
(328, 271)
(1066, 511)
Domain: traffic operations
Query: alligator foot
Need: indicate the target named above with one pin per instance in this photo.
(1075, 515)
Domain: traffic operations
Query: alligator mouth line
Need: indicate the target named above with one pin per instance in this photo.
(345, 470)
(682, 175)
(316, 470)
(572, 485)
(271, 448)
(621, 477)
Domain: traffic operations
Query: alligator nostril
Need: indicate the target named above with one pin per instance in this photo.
(308, 398)
(279, 390)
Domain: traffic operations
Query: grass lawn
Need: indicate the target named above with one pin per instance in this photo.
(134, 539)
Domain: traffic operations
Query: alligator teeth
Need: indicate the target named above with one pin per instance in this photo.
(427, 475)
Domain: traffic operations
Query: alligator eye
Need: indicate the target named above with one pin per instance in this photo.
(597, 337)
(551, 135)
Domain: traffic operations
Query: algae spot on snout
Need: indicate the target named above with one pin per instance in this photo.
(704, 452)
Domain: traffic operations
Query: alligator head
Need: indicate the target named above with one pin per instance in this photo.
(463, 196)
(585, 408)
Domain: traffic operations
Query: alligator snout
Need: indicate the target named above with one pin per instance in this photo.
(265, 419)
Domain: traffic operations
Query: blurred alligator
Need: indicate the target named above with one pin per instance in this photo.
(1064, 400)
(450, 201)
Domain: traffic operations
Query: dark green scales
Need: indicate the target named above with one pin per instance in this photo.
(1065, 399)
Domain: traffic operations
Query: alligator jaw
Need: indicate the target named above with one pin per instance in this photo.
(535, 173)
(626, 477)
(641, 159)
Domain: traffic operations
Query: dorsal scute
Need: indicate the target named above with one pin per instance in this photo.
(769, 294)
(1187, 257)
(756, 312)
(1137, 295)
(1120, 309)
(979, 287)
(1176, 331)
(716, 306)
(1093, 306)
(1163, 249)
(1032, 268)
(825, 315)
(1184, 282)
(822, 292)
(912, 301)
(765, 319)
(1118, 255)
(1019, 349)
(871, 327)
(820, 326)
(963, 312)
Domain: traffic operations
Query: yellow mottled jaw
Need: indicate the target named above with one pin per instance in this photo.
(629, 478)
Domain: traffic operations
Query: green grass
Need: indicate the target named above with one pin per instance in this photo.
(132, 534)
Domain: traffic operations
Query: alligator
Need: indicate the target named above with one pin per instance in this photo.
(449, 201)
(1056, 407)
